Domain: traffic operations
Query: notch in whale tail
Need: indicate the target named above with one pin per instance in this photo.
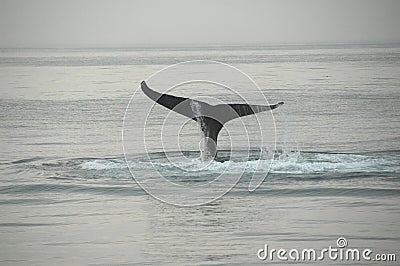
(212, 117)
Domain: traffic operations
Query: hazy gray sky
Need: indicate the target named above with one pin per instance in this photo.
(91, 23)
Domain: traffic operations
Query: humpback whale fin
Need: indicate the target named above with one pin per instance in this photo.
(210, 117)
(181, 105)
(248, 109)
(241, 109)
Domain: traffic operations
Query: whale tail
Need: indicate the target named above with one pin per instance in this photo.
(210, 117)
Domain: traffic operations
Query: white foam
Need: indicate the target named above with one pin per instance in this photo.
(102, 165)
(294, 163)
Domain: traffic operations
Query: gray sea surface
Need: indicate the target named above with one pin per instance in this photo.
(67, 196)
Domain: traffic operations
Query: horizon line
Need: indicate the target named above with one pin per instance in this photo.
(201, 45)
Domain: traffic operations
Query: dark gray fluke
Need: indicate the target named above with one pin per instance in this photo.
(210, 117)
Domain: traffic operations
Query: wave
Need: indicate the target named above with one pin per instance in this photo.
(302, 165)
(290, 173)
(284, 163)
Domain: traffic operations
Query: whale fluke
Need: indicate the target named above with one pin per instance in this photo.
(211, 117)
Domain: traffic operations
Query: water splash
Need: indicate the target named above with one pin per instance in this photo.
(288, 150)
(204, 153)
(289, 163)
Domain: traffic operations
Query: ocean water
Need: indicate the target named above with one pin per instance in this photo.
(67, 196)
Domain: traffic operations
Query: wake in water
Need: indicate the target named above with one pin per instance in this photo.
(296, 173)
(111, 175)
(292, 162)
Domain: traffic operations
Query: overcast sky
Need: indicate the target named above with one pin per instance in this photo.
(122, 23)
